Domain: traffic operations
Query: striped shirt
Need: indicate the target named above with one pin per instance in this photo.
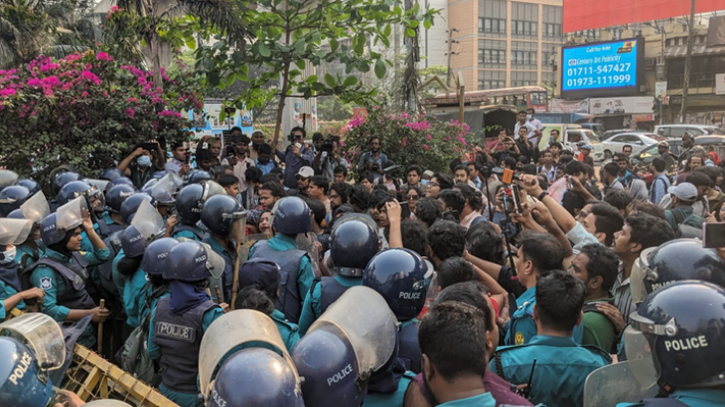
(623, 295)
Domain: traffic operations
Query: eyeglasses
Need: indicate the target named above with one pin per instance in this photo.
(413, 197)
(433, 184)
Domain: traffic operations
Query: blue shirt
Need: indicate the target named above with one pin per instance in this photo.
(294, 163)
(482, 400)
(692, 398)
(229, 257)
(132, 292)
(660, 184)
(266, 168)
(521, 326)
(562, 367)
(311, 308)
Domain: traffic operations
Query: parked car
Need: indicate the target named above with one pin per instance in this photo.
(638, 141)
(678, 130)
(570, 135)
(611, 133)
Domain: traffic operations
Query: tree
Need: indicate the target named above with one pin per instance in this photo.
(297, 35)
(331, 108)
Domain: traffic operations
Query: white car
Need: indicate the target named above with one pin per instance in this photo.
(638, 141)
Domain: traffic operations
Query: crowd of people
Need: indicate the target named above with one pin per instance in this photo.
(248, 275)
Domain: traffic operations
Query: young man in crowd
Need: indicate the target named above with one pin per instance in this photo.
(264, 161)
(318, 190)
(340, 174)
(548, 167)
(585, 155)
(462, 174)
(609, 177)
(660, 181)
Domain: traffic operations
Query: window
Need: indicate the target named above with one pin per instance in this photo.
(491, 79)
(525, 28)
(538, 98)
(552, 30)
(588, 34)
(616, 33)
(491, 25)
(492, 18)
(491, 53)
(524, 19)
(519, 78)
(523, 58)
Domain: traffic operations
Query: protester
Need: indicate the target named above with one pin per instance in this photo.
(373, 161)
(295, 157)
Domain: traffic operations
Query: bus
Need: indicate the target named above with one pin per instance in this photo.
(523, 97)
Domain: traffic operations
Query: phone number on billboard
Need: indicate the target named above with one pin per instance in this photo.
(599, 80)
(599, 69)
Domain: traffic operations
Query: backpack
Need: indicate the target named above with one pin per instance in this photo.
(135, 357)
(688, 227)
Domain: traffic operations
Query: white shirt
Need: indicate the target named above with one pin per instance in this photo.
(532, 131)
(239, 171)
(173, 166)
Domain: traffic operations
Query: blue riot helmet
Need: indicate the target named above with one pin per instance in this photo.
(29, 183)
(344, 347)
(35, 208)
(11, 198)
(14, 231)
(54, 227)
(74, 189)
(353, 242)
(131, 204)
(111, 174)
(192, 261)
(156, 255)
(256, 377)
(64, 178)
(190, 200)
(291, 216)
(7, 178)
(198, 176)
(220, 213)
(679, 259)
(164, 189)
(147, 225)
(122, 181)
(116, 195)
(401, 276)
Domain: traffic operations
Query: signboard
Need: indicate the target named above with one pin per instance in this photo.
(212, 125)
(661, 91)
(601, 69)
(630, 105)
(720, 84)
(589, 14)
(569, 106)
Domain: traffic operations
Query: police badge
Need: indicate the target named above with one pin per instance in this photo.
(46, 283)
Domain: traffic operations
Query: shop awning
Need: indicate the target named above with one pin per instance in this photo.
(679, 51)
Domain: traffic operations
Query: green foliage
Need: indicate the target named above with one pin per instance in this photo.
(86, 110)
(408, 139)
(333, 108)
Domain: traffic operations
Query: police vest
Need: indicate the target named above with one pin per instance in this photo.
(179, 337)
(409, 352)
(105, 230)
(200, 235)
(664, 402)
(385, 380)
(289, 302)
(75, 275)
(330, 291)
(105, 269)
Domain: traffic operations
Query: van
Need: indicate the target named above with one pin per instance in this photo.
(678, 130)
(570, 135)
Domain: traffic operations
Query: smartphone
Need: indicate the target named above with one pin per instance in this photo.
(188, 157)
(515, 195)
(569, 185)
(713, 235)
(151, 147)
(298, 145)
(404, 210)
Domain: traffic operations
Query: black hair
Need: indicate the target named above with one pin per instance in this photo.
(712, 172)
(264, 149)
(317, 208)
(559, 300)
(366, 175)
(445, 181)
(278, 172)
(428, 210)
(648, 230)
(521, 112)
(484, 243)
(274, 187)
(699, 179)
(340, 169)
(243, 139)
(251, 297)
(415, 236)
(472, 196)
(453, 165)
(621, 157)
(618, 198)
(321, 182)
(542, 250)
(471, 293)
(379, 195)
(269, 177)
(454, 270)
(416, 189)
(415, 168)
(556, 144)
(235, 128)
(370, 140)
(572, 201)
(128, 265)
(648, 208)
(253, 174)
(608, 221)
(342, 189)
(227, 180)
(530, 169)
(602, 263)
(611, 168)
(454, 323)
(659, 164)
(317, 136)
(360, 197)
(453, 199)
(381, 188)
(543, 181)
(565, 159)
(462, 167)
(447, 239)
(298, 128)
(522, 159)
(204, 155)
(575, 167)
(476, 165)
(510, 163)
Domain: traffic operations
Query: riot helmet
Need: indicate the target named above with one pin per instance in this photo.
(55, 227)
(116, 195)
(198, 176)
(11, 198)
(190, 200)
(63, 178)
(291, 216)
(35, 208)
(192, 261)
(164, 189)
(7, 178)
(157, 254)
(353, 242)
(147, 225)
(111, 174)
(122, 181)
(74, 189)
(402, 277)
(679, 259)
(21, 381)
(131, 204)
(220, 213)
(14, 231)
(29, 183)
(102, 185)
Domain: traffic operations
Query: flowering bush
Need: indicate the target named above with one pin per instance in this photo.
(86, 110)
(408, 139)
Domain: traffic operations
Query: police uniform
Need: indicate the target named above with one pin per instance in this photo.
(106, 226)
(296, 269)
(189, 232)
(129, 289)
(324, 293)
(289, 332)
(482, 400)
(395, 399)
(229, 256)
(8, 289)
(561, 368)
(684, 398)
(63, 279)
(521, 328)
(27, 255)
(409, 350)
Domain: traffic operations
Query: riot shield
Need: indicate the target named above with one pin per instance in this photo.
(70, 215)
(7, 178)
(614, 384)
(307, 242)
(215, 264)
(166, 187)
(365, 318)
(36, 207)
(100, 184)
(211, 188)
(230, 331)
(148, 222)
(42, 334)
(14, 231)
(641, 272)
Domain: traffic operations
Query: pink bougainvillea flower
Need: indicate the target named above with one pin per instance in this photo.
(426, 147)
(405, 142)
(133, 100)
(430, 137)
(34, 82)
(102, 56)
(7, 92)
(130, 112)
(91, 77)
(85, 94)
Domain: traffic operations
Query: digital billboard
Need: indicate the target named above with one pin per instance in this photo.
(610, 68)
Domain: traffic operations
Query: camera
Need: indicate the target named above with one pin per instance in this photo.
(294, 137)
(329, 143)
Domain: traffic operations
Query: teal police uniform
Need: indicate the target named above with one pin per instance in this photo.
(394, 399)
(311, 308)
(129, 289)
(7, 291)
(230, 258)
(187, 234)
(55, 286)
(28, 255)
(521, 328)
(146, 297)
(561, 368)
(154, 352)
(290, 332)
(482, 400)
(691, 398)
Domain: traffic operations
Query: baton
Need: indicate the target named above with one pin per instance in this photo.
(218, 294)
(100, 329)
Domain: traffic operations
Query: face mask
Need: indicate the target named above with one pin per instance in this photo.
(144, 161)
(8, 256)
(528, 117)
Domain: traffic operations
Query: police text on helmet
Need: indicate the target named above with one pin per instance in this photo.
(339, 375)
(409, 296)
(218, 399)
(21, 368)
(200, 259)
(686, 344)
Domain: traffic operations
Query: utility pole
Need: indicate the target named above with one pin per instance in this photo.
(688, 61)
(450, 53)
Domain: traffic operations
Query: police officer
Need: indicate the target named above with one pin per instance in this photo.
(224, 217)
(62, 271)
(353, 242)
(35, 209)
(180, 320)
(12, 295)
(402, 277)
(189, 203)
(335, 357)
(63, 178)
(23, 384)
(291, 217)
(131, 204)
(163, 190)
(29, 183)
(561, 364)
(11, 198)
(111, 220)
(259, 286)
(154, 261)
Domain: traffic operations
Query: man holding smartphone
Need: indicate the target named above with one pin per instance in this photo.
(295, 157)
(179, 163)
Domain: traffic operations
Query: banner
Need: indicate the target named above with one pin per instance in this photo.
(661, 92)
(630, 105)
(720, 84)
(589, 14)
(569, 106)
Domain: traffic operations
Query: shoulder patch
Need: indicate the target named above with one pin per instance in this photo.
(519, 340)
(46, 283)
(82, 253)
